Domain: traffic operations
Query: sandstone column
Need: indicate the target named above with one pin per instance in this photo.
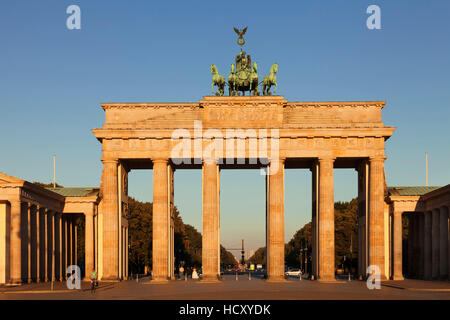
(448, 243)
(110, 209)
(63, 246)
(60, 246)
(89, 242)
(315, 215)
(126, 256)
(211, 221)
(69, 240)
(161, 244)
(435, 244)
(96, 240)
(5, 227)
(123, 252)
(363, 214)
(51, 246)
(427, 245)
(45, 245)
(275, 221)
(443, 247)
(38, 243)
(16, 240)
(29, 240)
(326, 220)
(376, 214)
(76, 244)
(74, 241)
(397, 246)
(171, 207)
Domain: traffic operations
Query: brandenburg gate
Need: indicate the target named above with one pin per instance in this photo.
(267, 133)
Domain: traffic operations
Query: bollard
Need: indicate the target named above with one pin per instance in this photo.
(300, 276)
(249, 276)
(236, 276)
(349, 278)
(137, 278)
(185, 276)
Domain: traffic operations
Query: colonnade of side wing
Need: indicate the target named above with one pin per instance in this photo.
(37, 244)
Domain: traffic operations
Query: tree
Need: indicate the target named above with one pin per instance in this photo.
(346, 228)
(140, 219)
(187, 240)
(345, 220)
(301, 239)
(226, 257)
(259, 257)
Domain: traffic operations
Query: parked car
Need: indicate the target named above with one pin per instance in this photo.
(293, 272)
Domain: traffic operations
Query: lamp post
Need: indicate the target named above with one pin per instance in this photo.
(303, 259)
(351, 256)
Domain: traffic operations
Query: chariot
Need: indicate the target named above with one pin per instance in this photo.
(243, 75)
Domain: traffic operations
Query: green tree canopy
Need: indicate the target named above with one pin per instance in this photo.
(187, 240)
(346, 244)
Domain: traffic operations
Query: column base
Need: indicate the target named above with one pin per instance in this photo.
(15, 282)
(210, 278)
(275, 279)
(107, 279)
(327, 279)
(158, 280)
(397, 277)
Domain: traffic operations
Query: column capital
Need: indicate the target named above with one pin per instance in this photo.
(109, 160)
(210, 160)
(397, 213)
(326, 158)
(89, 213)
(279, 159)
(160, 160)
(377, 158)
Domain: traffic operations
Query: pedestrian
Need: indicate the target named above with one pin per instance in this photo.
(194, 274)
(181, 271)
(94, 282)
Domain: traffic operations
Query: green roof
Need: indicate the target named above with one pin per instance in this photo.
(76, 192)
(411, 191)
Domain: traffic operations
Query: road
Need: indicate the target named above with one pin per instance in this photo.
(229, 288)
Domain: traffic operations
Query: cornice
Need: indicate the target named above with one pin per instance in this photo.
(91, 199)
(244, 101)
(292, 133)
(336, 104)
(30, 187)
(108, 106)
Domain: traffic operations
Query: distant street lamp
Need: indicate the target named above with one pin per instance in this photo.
(303, 259)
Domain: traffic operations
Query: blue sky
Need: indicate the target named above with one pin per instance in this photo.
(52, 81)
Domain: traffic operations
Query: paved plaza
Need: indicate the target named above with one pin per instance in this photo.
(230, 289)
